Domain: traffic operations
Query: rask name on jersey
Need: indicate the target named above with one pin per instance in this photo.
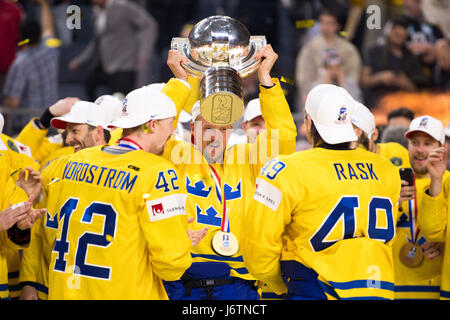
(355, 171)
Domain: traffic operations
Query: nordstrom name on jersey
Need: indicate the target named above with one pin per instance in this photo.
(106, 177)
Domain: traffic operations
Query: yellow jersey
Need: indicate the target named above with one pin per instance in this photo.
(119, 234)
(19, 155)
(36, 258)
(433, 223)
(331, 212)
(40, 145)
(237, 183)
(395, 153)
(423, 281)
(11, 194)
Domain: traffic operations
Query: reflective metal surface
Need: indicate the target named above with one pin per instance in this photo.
(220, 51)
(219, 41)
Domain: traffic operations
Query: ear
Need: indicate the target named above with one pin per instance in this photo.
(375, 135)
(98, 134)
(358, 132)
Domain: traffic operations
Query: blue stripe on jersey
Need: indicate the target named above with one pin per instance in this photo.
(3, 287)
(13, 274)
(240, 270)
(416, 288)
(42, 288)
(360, 284)
(328, 289)
(445, 294)
(217, 258)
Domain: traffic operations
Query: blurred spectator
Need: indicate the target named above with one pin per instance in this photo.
(10, 16)
(400, 117)
(392, 66)
(32, 80)
(124, 36)
(328, 58)
(441, 71)
(421, 35)
(437, 12)
(395, 133)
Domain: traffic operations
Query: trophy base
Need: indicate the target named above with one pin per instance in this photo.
(221, 96)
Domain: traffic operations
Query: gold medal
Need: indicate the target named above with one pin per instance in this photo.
(411, 255)
(225, 243)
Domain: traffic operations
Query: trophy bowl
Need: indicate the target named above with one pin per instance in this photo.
(221, 52)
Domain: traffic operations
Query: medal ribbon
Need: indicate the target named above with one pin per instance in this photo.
(225, 226)
(130, 144)
(412, 206)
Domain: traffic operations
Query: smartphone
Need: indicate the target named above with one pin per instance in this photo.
(407, 175)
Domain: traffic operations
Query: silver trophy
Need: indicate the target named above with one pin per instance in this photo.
(221, 52)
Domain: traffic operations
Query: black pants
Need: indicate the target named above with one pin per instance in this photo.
(122, 81)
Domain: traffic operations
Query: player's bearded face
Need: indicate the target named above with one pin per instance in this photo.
(420, 145)
(211, 139)
(79, 136)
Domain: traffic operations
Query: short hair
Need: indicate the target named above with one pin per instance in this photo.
(330, 12)
(400, 20)
(30, 29)
(401, 112)
(317, 140)
(395, 134)
(106, 133)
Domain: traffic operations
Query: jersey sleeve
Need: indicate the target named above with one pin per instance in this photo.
(178, 91)
(36, 139)
(163, 220)
(266, 218)
(30, 262)
(432, 219)
(281, 132)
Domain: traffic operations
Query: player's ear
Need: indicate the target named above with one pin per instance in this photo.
(375, 135)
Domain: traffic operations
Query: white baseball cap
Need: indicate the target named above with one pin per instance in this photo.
(82, 112)
(429, 125)
(331, 108)
(142, 105)
(111, 105)
(446, 130)
(363, 119)
(252, 110)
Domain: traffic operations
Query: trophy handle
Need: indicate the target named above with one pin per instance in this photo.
(182, 45)
(248, 65)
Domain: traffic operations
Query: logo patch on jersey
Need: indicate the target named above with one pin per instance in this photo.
(267, 194)
(157, 209)
(166, 207)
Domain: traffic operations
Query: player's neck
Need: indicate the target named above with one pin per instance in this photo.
(138, 140)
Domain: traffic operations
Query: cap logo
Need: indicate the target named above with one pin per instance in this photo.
(342, 115)
(99, 100)
(423, 122)
(124, 107)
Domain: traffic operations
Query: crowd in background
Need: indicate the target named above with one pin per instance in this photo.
(120, 45)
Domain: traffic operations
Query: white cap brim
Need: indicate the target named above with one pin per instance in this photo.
(336, 134)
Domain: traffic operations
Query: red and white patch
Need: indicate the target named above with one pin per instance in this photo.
(166, 207)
